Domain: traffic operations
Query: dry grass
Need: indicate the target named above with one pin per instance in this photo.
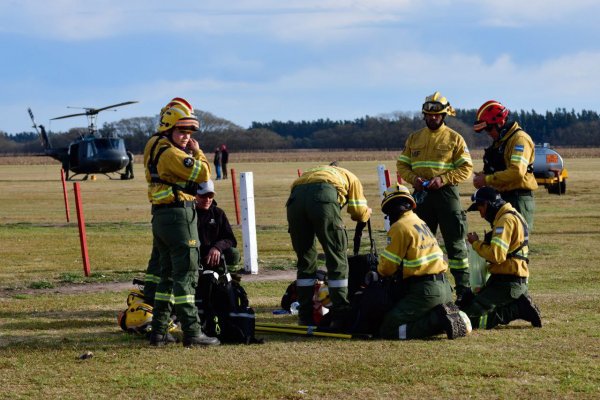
(42, 334)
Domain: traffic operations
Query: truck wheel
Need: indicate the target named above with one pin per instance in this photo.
(553, 189)
(563, 187)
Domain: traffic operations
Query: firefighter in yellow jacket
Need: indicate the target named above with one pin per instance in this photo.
(508, 162)
(174, 165)
(504, 298)
(425, 307)
(314, 210)
(435, 160)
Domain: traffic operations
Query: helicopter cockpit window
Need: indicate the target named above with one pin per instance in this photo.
(91, 149)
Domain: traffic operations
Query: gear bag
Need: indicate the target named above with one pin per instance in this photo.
(360, 266)
(224, 309)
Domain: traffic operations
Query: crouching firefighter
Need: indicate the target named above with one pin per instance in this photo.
(504, 298)
(425, 307)
(172, 175)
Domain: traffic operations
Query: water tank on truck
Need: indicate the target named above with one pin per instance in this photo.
(549, 169)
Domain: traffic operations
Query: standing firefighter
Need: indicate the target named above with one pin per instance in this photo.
(435, 160)
(314, 209)
(508, 162)
(425, 307)
(504, 297)
(174, 166)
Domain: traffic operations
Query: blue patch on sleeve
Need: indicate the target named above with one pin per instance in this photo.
(519, 147)
(499, 230)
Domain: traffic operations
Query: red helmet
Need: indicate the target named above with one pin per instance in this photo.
(490, 113)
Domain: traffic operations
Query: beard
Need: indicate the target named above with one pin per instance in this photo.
(433, 125)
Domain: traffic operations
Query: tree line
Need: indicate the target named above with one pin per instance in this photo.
(386, 131)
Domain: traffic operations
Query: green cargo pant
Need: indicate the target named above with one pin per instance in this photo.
(411, 317)
(524, 204)
(176, 238)
(152, 276)
(495, 304)
(442, 207)
(313, 211)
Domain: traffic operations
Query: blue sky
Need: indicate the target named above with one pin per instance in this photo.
(259, 60)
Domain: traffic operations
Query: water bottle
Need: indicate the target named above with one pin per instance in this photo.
(294, 308)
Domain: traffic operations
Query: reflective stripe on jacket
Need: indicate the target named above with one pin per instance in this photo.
(519, 153)
(412, 247)
(442, 153)
(174, 166)
(507, 235)
(349, 188)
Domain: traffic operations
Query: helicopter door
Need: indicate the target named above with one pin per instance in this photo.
(74, 155)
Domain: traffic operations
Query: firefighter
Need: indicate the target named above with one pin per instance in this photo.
(425, 307)
(435, 160)
(504, 297)
(508, 162)
(174, 165)
(314, 209)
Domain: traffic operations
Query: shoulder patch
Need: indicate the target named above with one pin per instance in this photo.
(519, 148)
(389, 240)
(499, 230)
(188, 162)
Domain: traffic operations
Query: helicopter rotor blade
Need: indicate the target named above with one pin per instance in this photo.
(97, 110)
(69, 116)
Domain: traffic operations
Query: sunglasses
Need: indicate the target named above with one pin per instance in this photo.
(433, 106)
(489, 128)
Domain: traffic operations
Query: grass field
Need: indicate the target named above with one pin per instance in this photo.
(43, 330)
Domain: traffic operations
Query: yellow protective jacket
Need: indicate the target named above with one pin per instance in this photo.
(508, 234)
(174, 166)
(519, 152)
(442, 153)
(348, 187)
(412, 247)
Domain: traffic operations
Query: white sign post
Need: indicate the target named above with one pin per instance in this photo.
(248, 223)
(382, 189)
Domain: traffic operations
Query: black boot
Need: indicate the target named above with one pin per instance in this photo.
(158, 340)
(200, 340)
(529, 311)
(452, 322)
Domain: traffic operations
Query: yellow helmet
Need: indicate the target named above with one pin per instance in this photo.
(137, 318)
(178, 113)
(397, 191)
(437, 104)
(135, 296)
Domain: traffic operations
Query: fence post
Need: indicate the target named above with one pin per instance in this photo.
(248, 223)
(383, 185)
(66, 198)
(82, 233)
(236, 200)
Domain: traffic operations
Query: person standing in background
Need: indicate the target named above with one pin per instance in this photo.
(224, 160)
(217, 161)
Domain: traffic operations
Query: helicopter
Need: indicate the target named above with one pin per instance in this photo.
(90, 153)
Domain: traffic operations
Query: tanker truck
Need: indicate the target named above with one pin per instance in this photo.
(549, 169)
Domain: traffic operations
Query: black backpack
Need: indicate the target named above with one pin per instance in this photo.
(224, 309)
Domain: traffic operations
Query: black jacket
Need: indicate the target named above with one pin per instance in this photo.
(214, 230)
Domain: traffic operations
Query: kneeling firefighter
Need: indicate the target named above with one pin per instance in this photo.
(174, 166)
(504, 298)
(425, 307)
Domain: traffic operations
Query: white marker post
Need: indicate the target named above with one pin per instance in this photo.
(382, 189)
(248, 223)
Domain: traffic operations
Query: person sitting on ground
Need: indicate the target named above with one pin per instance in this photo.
(504, 298)
(217, 241)
(425, 307)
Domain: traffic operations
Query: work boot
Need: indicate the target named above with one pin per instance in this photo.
(200, 340)
(529, 311)
(158, 339)
(453, 323)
